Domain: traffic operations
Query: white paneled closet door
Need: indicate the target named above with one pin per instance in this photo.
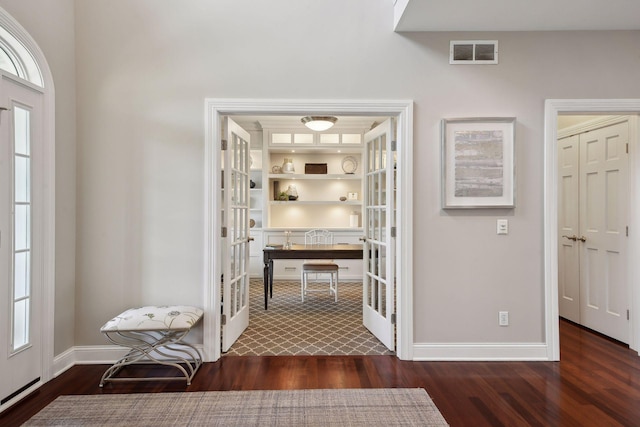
(600, 240)
(569, 229)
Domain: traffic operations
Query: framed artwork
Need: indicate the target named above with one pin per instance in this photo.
(478, 163)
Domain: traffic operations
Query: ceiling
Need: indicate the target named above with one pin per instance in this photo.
(516, 15)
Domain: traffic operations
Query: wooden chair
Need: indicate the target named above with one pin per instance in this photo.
(319, 266)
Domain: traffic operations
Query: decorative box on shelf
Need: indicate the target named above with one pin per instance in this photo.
(315, 168)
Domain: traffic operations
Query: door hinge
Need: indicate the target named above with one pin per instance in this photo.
(627, 148)
(393, 318)
(223, 319)
(393, 232)
(224, 232)
(394, 145)
(223, 144)
(627, 314)
(627, 231)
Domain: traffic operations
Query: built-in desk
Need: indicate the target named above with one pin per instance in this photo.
(337, 251)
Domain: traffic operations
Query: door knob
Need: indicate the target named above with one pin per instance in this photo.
(363, 239)
(582, 239)
(574, 237)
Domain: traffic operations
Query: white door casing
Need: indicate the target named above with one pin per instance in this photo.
(402, 110)
(603, 224)
(21, 274)
(235, 254)
(554, 107)
(378, 308)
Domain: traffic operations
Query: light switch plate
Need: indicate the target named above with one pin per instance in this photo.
(502, 226)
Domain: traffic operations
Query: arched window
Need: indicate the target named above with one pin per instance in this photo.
(16, 59)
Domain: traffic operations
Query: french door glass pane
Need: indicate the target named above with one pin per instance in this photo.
(21, 274)
(22, 227)
(22, 173)
(20, 323)
(22, 131)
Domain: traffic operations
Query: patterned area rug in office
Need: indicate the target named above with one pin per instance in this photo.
(317, 326)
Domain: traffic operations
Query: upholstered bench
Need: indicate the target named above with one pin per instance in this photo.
(154, 335)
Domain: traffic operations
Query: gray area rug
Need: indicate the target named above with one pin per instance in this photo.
(340, 407)
(317, 326)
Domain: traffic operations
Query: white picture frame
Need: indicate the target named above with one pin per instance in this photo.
(478, 163)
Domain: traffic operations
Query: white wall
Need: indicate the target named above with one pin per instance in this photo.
(144, 68)
(51, 24)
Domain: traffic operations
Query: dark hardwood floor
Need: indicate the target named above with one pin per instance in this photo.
(596, 383)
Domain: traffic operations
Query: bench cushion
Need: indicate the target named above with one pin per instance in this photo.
(155, 318)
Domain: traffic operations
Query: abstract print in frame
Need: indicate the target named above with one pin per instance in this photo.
(478, 163)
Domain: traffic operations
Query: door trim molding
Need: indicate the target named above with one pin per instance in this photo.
(402, 110)
(553, 107)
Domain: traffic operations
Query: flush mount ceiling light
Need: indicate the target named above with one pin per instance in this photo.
(319, 123)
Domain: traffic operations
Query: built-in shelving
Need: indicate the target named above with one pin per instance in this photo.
(322, 177)
(315, 202)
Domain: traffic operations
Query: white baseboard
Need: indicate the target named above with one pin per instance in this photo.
(92, 355)
(480, 352)
(107, 354)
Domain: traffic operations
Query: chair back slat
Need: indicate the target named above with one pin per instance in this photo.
(318, 237)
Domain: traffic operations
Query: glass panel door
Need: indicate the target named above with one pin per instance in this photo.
(235, 259)
(20, 278)
(379, 274)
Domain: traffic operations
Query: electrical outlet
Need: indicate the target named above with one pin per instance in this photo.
(503, 318)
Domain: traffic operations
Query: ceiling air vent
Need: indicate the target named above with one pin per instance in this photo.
(473, 52)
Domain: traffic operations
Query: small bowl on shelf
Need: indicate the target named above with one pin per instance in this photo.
(343, 198)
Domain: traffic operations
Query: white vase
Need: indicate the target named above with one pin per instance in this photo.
(354, 220)
(287, 166)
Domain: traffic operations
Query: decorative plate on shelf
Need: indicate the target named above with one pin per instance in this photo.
(276, 169)
(349, 164)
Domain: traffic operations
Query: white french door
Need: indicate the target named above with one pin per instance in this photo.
(235, 256)
(379, 245)
(593, 221)
(20, 200)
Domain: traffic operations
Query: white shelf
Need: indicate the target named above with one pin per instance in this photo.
(303, 229)
(319, 176)
(319, 205)
(315, 202)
